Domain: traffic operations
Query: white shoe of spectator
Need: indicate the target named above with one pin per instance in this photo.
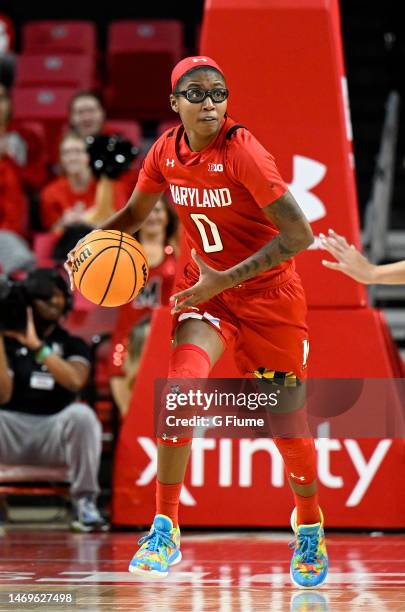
(87, 517)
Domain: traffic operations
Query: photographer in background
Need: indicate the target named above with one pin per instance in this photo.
(43, 369)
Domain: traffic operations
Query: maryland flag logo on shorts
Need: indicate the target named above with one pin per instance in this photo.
(285, 379)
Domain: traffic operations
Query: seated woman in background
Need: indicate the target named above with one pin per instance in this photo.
(77, 198)
(158, 237)
(22, 146)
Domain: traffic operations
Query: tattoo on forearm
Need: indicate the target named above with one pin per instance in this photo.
(285, 250)
(272, 254)
(295, 235)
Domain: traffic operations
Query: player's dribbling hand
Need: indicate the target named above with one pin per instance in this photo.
(210, 283)
(349, 260)
(70, 259)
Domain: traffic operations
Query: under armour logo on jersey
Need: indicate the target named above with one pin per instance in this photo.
(215, 168)
(200, 59)
(170, 162)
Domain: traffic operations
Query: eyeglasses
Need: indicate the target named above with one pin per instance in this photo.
(196, 95)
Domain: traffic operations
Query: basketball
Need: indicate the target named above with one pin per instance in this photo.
(110, 268)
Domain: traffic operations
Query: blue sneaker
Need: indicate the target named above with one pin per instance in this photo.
(309, 563)
(159, 549)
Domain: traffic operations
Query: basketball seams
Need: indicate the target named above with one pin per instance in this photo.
(114, 240)
(122, 244)
(135, 273)
(113, 272)
(92, 260)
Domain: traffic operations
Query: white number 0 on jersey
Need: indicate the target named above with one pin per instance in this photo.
(211, 242)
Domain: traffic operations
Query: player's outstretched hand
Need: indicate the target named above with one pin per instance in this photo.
(70, 259)
(349, 260)
(210, 283)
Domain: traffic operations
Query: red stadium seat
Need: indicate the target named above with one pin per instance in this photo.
(140, 58)
(41, 103)
(55, 70)
(128, 129)
(48, 105)
(59, 37)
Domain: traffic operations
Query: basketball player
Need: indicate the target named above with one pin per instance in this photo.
(352, 263)
(240, 289)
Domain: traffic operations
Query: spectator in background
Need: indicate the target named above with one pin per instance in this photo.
(13, 202)
(42, 372)
(21, 146)
(87, 117)
(158, 237)
(77, 197)
(7, 57)
(86, 114)
(15, 254)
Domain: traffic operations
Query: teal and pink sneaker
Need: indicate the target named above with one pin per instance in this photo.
(309, 563)
(159, 549)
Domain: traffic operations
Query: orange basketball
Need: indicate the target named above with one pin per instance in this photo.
(110, 268)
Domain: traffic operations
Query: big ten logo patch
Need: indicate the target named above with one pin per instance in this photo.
(85, 254)
(215, 168)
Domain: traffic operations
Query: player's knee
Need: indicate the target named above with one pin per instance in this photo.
(189, 361)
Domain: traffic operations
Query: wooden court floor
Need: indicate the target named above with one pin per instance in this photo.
(221, 572)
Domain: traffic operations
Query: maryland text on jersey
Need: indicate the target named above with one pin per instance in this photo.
(201, 198)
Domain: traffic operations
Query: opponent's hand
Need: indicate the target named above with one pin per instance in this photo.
(210, 283)
(349, 260)
(70, 259)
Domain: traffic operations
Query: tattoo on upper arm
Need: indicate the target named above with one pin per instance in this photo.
(284, 209)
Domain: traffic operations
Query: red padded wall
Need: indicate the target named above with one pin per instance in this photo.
(284, 65)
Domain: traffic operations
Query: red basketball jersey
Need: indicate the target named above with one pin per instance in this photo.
(218, 194)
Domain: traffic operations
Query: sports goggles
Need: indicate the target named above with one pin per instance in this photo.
(196, 95)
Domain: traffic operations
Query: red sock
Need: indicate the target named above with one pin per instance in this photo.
(307, 509)
(300, 462)
(167, 500)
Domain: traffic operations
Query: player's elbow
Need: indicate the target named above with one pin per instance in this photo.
(307, 238)
(300, 240)
(304, 237)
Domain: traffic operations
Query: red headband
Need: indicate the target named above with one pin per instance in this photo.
(188, 63)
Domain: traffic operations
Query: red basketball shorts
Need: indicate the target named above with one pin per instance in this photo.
(265, 328)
